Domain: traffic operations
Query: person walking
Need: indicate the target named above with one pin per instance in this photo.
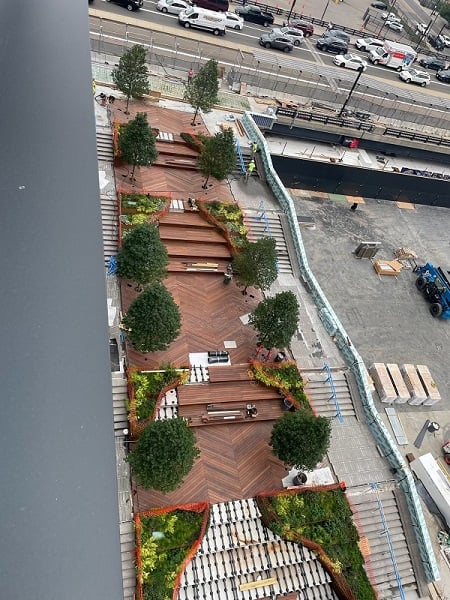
(190, 75)
(250, 168)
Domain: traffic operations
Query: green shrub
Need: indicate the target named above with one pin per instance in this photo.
(143, 203)
(165, 555)
(324, 517)
(147, 387)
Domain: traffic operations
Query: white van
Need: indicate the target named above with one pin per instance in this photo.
(201, 18)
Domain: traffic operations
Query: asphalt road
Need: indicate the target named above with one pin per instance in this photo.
(243, 43)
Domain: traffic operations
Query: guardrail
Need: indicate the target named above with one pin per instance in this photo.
(337, 332)
(417, 137)
(325, 119)
(413, 136)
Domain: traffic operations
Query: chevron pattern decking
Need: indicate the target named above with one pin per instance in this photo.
(235, 462)
(210, 315)
(158, 178)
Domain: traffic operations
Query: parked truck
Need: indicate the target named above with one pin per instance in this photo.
(435, 286)
(393, 55)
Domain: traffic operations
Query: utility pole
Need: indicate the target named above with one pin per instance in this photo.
(355, 83)
(290, 10)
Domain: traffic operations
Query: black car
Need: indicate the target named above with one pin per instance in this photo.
(436, 42)
(379, 5)
(129, 4)
(433, 62)
(337, 33)
(304, 26)
(443, 75)
(254, 14)
(331, 44)
(276, 40)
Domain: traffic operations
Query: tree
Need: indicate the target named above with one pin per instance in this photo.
(276, 320)
(256, 264)
(131, 75)
(137, 143)
(153, 319)
(164, 454)
(143, 257)
(202, 91)
(301, 439)
(218, 156)
(444, 11)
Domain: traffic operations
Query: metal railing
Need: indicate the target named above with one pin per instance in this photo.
(333, 396)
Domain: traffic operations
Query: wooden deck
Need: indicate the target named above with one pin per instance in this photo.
(158, 178)
(235, 462)
(226, 398)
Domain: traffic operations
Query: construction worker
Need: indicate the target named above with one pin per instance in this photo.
(94, 87)
(250, 168)
(254, 147)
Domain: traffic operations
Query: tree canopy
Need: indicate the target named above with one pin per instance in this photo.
(202, 91)
(256, 264)
(143, 257)
(276, 320)
(131, 74)
(301, 439)
(444, 11)
(137, 143)
(218, 156)
(164, 454)
(153, 319)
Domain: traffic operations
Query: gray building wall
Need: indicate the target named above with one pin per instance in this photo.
(58, 501)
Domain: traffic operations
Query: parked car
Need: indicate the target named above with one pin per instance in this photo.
(295, 35)
(129, 4)
(330, 44)
(415, 76)
(173, 7)
(446, 40)
(432, 62)
(277, 41)
(443, 75)
(215, 5)
(305, 26)
(337, 33)
(368, 44)
(234, 21)
(390, 16)
(379, 5)
(350, 61)
(421, 28)
(254, 14)
(394, 25)
(436, 41)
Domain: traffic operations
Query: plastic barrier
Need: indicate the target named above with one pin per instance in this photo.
(336, 330)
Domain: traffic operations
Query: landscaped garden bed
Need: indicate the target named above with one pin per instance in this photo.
(136, 209)
(193, 141)
(228, 218)
(166, 540)
(321, 519)
(286, 378)
(145, 391)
